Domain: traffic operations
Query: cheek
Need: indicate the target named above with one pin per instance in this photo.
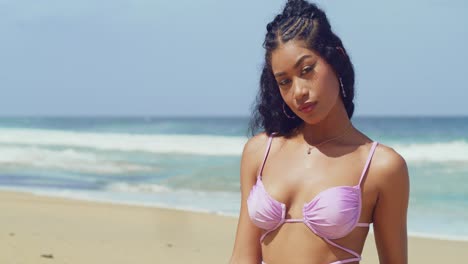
(287, 93)
(327, 84)
(283, 94)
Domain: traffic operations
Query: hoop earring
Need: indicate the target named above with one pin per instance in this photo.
(342, 88)
(286, 114)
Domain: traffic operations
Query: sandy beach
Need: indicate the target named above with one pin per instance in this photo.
(36, 229)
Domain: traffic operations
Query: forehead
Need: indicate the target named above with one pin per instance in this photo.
(285, 55)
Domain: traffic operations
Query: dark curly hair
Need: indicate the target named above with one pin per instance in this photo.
(304, 21)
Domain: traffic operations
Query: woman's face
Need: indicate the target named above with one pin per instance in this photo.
(303, 77)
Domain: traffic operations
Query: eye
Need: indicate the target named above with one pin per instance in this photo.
(306, 69)
(284, 82)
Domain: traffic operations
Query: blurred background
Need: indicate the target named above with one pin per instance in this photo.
(148, 102)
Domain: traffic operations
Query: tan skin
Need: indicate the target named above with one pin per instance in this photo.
(294, 177)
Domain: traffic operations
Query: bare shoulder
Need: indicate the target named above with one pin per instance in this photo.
(255, 144)
(390, 166)
(390, 211)
(252, 157)
(246, 247)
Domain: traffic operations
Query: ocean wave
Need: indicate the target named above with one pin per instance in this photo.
(456, 150)
(434, 152)
(159, 188)
(137, 187)
(30, 157)
(180, 144)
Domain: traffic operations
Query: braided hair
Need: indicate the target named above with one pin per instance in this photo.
(299, 20)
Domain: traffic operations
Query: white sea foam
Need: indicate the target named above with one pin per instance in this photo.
(201, 144)
(188, 144)
(31, 157)
(434, 151)
(137, 187)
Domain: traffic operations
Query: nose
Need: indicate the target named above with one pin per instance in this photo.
(301, 90)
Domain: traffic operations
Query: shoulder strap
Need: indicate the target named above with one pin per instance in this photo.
(371, 153)
(266, 154)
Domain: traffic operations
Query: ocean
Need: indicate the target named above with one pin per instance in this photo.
(193, 163)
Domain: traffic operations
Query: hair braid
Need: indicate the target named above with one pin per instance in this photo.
(299, 20)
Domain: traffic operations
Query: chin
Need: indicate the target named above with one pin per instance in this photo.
(315, 118)
(312, 120)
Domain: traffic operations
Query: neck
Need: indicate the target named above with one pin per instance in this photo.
(334, 125)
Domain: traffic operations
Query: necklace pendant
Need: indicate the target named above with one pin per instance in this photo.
(309, 150)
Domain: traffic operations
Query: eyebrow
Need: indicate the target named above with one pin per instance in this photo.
(278, 74)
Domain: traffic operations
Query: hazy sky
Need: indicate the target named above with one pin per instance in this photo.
(186, 57)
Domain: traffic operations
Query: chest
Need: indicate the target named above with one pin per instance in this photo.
(295, 181)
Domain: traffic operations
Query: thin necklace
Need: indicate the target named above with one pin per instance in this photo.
(328, 140)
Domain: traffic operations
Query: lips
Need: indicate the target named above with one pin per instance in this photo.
(307, 107)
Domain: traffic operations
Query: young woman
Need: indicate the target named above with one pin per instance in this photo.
(311, 183)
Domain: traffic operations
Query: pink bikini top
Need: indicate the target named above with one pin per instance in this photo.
(332, 214)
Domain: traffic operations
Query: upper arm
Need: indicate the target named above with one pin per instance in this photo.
(247, 248)
(390, 212)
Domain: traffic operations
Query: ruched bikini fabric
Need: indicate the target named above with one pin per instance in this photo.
(331, 214)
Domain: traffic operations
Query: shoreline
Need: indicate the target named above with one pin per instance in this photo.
(35, 229)
(39, 193)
